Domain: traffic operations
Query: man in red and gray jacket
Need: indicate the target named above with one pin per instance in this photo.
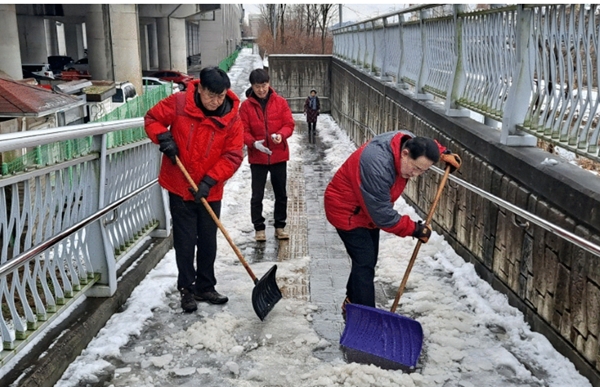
(268, 123)
(201, 127)
(359, 201)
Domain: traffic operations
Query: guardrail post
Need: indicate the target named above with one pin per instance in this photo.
(519, 94)
(383, 74)
(420, 93)
(160, 199)
(373, 67)
(365, 52)
(399, 76)
(457, 85)
(103, 258)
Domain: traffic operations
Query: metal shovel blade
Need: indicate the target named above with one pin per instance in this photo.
(383, 334)
(265, 294)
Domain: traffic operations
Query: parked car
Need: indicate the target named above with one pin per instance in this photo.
(125, 91)
(58, 63)
(80, 65)
(182, 79)
(152, 83)
(37, 71)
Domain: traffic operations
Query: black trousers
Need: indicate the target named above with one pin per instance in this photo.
(194, 233)
(278, 181)
(362, 245)
(312, 132)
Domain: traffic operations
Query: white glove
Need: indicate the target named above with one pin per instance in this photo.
(259, 145)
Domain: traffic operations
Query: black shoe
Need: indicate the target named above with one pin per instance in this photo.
(212, 296)
(188, 304)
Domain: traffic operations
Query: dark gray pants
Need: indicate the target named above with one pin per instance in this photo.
(194, 233)
(362, 245)
(278, 181)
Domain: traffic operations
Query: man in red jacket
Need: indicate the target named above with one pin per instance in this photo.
(202, 128)
(359, 201)
(268, 123)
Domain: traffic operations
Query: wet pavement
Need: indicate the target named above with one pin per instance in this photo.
(329, 265)
(320, 287)
(310, 235)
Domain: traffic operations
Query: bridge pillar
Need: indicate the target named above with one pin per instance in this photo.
(51, 38)
(10, 60)
(32, 39)
(113, 43)
(172, 52)
(153, 45)
(144, 47)
(74, 40)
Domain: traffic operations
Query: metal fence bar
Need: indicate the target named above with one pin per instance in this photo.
(52, 248)
(24, 257)
(569, 236)
(532, 67)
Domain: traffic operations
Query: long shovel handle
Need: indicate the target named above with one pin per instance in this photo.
(419, 243)
(217, 221)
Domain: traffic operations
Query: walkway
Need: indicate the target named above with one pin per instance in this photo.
(472, 336)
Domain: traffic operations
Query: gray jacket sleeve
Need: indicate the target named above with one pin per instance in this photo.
(377, 176)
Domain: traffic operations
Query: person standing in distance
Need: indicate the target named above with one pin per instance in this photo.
(359, 201)
(268, 123)
(312, 109)
(201, 127)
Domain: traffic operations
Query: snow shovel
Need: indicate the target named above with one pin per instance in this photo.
(266, 293)
(387, 337)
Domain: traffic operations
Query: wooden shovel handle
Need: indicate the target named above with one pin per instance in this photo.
(419, 243)
(217, 221)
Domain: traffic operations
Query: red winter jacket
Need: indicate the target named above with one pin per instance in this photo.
(259, 125)
(363, 191)
(207, 145)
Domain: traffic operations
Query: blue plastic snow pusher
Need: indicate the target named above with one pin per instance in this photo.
(386, 335)
(266, 293)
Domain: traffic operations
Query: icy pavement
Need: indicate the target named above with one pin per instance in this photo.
(472, 336)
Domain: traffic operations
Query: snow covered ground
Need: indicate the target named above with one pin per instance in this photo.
(472, 337)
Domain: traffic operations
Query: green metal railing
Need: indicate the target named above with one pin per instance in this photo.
(226, 63)
(49, 154)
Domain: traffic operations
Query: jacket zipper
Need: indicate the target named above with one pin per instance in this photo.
(268, 138)
(212, 138)
(190, 137)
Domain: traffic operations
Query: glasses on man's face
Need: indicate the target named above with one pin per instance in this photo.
(415, 166)
(209, 95)
(414, 169)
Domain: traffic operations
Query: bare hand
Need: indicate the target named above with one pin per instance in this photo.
(276, 138)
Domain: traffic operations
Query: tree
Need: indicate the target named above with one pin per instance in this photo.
(326, 13)
(279, 22)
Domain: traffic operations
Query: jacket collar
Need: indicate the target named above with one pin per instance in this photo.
(194, 111)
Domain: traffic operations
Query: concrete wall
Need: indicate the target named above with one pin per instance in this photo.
(219, 36)
(555, 284)
(293, 76)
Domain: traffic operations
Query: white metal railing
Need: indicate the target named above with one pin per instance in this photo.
(64, 226)
(532, 67)
(525, 215)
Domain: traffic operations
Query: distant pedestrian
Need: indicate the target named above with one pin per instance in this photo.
(201, 127)
(268, 123)
(359, 201)
(312, 109)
